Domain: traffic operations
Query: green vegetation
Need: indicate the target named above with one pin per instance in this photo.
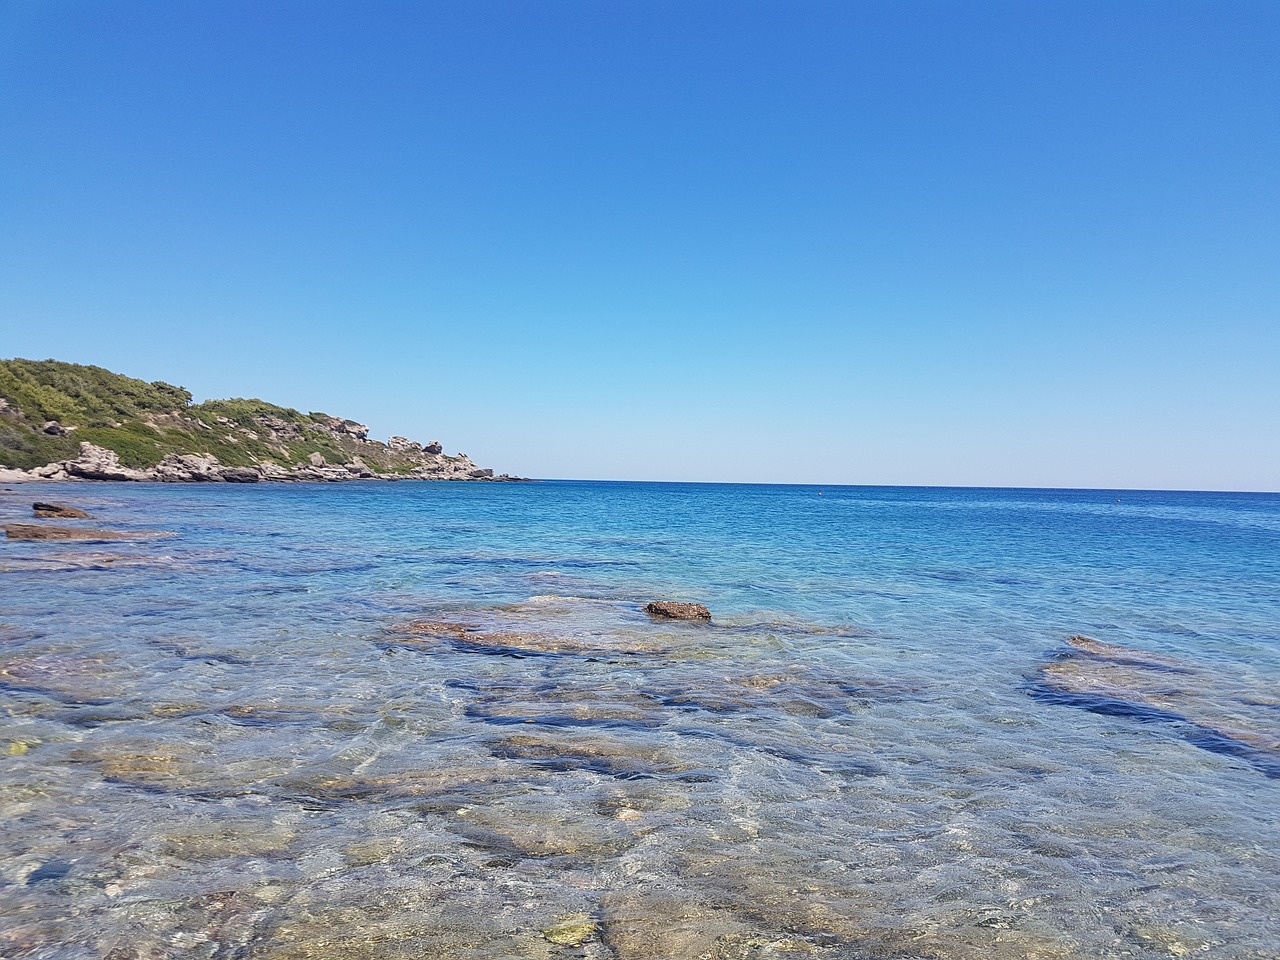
(83, 396)
(23, 448)
(245, 412)
(144, 422)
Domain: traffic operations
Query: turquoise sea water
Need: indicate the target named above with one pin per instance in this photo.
(432, 720)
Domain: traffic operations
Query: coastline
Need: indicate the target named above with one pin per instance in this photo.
(99, 464)
(65, 421)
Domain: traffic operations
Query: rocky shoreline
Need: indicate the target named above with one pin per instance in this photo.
(65, 421)
(98, 463)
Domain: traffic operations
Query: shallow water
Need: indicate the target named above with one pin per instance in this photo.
(431, 720)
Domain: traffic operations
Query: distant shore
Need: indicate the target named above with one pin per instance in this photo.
(67, 421)
(97, 464)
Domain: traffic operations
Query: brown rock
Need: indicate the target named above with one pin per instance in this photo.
(671, 610)
(33, 531)
(58, 511)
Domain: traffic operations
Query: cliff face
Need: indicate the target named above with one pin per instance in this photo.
(65, 421)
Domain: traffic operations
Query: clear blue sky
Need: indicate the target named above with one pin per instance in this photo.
(1023, 243)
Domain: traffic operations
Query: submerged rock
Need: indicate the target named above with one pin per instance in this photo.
(1221, 714)
(33, 531)
(648, 924)
(507, 637)
(58, 511)
(672, 610)
(623, 758)
(572, 931)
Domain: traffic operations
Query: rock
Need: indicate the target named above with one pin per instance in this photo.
(671, 610)
(33, 531)
(273, 471)
(279, 428)
(58, 511)
(53, 870)
(359, 469)
(96, 463)
(572, 931)
(1218, 712)
(595, 753)
(349, 427)
(648, 924)
(399, 459)
(186, 468)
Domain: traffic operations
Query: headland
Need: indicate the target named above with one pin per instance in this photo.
(67, 421)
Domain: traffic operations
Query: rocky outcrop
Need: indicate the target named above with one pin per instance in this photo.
(401, 460)
(93, 463)
(58, 511)
(349, 427)
(671, 610)
(187, 468)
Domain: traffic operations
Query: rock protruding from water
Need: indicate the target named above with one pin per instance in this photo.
(58, 511)
(673, 610)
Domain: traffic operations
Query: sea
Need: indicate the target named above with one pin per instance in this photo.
(434, 720)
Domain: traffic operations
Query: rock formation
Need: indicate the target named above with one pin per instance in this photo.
(58, 511)
(671, 610)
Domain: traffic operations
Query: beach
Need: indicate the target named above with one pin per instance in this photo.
(434, 720)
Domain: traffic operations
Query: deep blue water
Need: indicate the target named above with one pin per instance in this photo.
(427, 719)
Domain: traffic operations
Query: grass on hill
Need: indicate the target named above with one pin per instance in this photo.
(142, 422)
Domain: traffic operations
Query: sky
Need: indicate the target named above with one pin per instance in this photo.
(895, 242)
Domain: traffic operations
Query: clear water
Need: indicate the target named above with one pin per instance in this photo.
(431, 720)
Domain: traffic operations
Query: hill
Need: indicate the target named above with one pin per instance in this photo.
(65, 420)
